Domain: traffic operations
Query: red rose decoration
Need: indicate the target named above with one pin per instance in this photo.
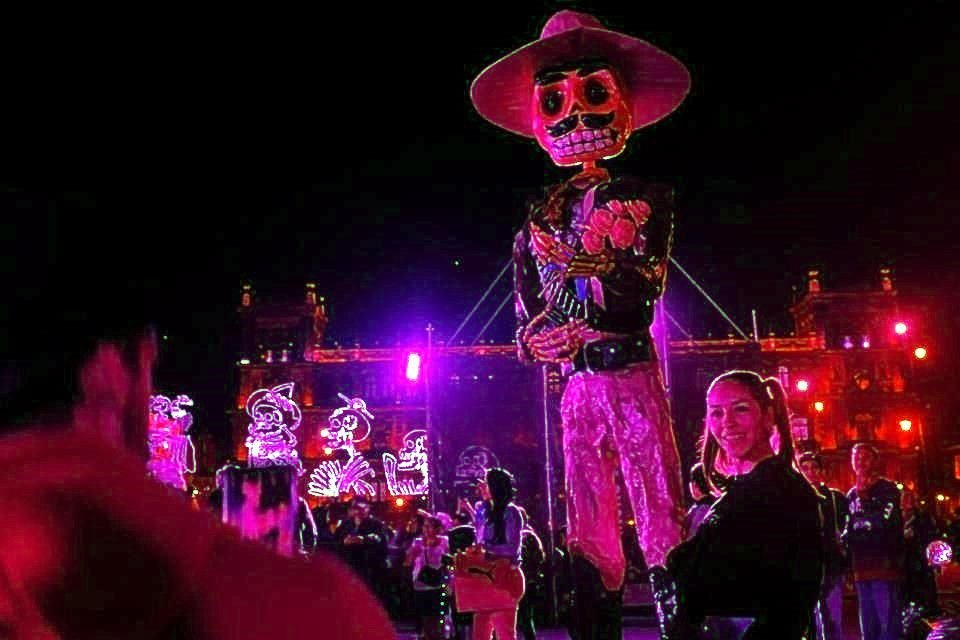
(618, 222)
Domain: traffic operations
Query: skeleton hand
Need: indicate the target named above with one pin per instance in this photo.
(584, 265)
(559, 344)
(548, 249)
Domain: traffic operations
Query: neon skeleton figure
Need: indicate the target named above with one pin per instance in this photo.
(412, 458)
(348, 425)
(474, 461)
(171, 450)
(589, 264)
(274, 417)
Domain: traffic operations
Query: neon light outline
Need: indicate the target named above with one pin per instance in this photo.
(332, 478)
(411, 458)
(172, 453)
(274, 417)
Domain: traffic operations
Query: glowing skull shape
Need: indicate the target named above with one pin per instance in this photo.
(348, 425)
(580, 112)
(474, 461)
(413, 456)
(274, 417)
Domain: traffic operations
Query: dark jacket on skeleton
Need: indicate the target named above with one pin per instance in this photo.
(620, 302)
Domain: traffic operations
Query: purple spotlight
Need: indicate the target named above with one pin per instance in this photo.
(413, 367)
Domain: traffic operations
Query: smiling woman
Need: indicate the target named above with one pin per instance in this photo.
(758, 553)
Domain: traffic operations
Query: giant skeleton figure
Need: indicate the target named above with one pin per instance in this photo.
(590, 262)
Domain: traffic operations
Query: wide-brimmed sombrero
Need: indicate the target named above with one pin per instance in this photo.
(655, 81)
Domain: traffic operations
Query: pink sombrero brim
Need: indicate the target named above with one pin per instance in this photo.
(656, 81)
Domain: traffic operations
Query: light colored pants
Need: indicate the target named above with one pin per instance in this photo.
(620, 420)
(879, 610)
(829, 616)
(503, 623)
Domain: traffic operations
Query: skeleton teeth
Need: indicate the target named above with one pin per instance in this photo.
(575, 136)
(588, 135)
(589, 146)
(578, 148)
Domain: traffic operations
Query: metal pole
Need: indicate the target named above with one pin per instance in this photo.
(664, 346)
(548, 463)
(756, 332)
(433, 439)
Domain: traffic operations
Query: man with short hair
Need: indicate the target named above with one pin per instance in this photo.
(828, 616)
(874, 538)
(363, 542)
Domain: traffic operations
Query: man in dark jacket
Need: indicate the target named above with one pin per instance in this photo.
(835, 510)
(363, 543)
(874, 538)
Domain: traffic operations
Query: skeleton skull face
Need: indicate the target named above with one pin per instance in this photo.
(348, 425)
(413, 456)
(580, 112)
(272, 411)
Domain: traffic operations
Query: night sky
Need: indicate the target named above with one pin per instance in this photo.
(170, 156)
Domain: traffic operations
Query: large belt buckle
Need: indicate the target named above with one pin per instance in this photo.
(586, 351)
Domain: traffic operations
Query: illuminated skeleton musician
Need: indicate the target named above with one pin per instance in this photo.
(589, 265)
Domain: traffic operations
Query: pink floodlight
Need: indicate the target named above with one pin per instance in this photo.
(413, 367)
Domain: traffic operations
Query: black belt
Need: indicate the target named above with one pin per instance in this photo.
(606, 355)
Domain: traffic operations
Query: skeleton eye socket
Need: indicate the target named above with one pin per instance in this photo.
(551, 101)
(595, 92)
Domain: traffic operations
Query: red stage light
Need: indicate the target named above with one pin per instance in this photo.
(906, 425)
(900, 328)
(919, 353)
(802, 385)
(818, 406)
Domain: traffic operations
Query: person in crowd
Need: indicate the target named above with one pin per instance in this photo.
(499, 525)
(953, 532)
(328, 518)
(758, 554)
(462, 536)
(306, 528)
(426, 555)
(363, 542)
(919, 530)
(828, 618)
(875, 542)
(91, 547)
(702, 501)
(532, 559)
(562, 562)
